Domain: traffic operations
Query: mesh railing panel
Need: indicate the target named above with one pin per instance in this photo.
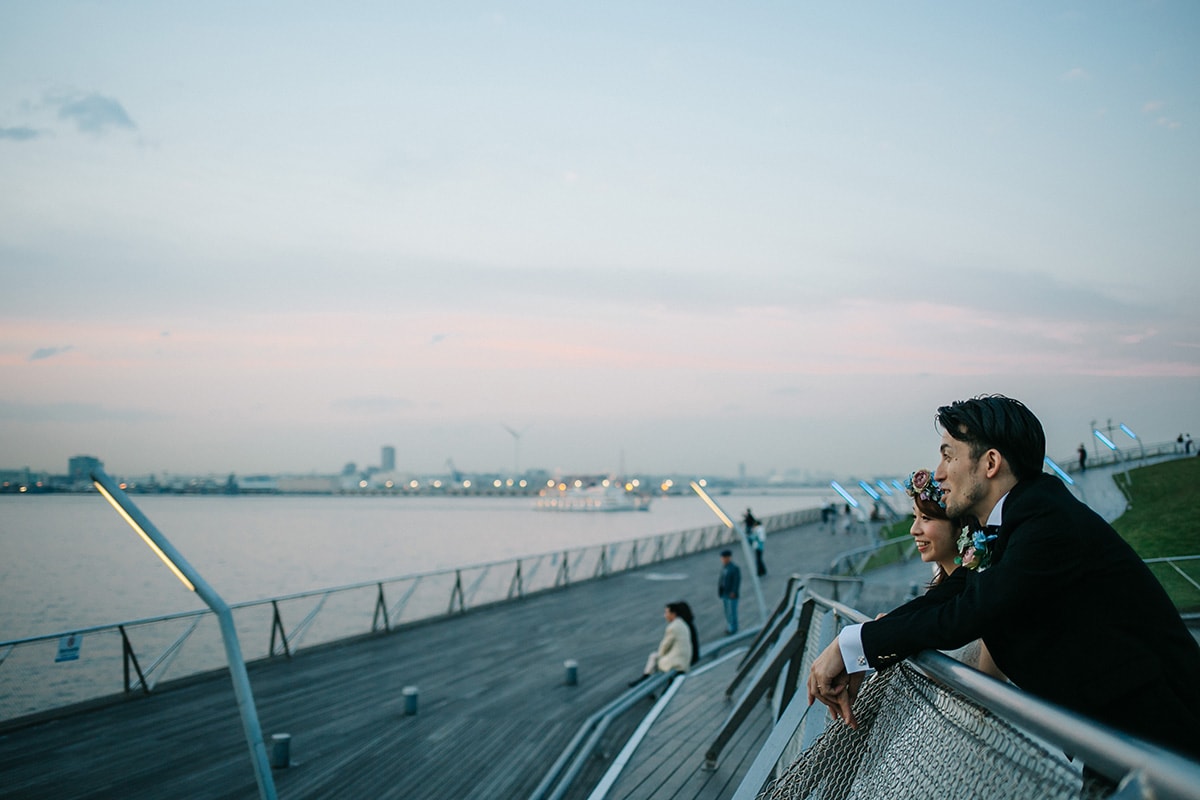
(916, 739)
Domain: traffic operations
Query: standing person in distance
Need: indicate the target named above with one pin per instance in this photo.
(1068, 610)
(729, 587)
(754, 535)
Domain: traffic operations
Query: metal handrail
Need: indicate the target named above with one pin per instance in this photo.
(846, 558)
(566, 768)
(1115, 755)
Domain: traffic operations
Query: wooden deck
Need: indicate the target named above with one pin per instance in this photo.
(668, 763)
(494, 710)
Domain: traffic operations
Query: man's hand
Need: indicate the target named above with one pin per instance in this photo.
(829, 683)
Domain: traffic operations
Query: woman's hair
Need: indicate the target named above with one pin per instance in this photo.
(684, 612)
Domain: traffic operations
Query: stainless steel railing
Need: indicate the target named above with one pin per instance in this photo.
(1150, 770)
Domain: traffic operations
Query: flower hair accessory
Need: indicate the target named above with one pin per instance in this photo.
(975, 548)
(921, 485)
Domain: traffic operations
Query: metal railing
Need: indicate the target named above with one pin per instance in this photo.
(1150, 770)
(140, 653)
(856, 561)
(561, 776)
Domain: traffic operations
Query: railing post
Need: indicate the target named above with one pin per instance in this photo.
(602, 564)
(127, 656)
(516, 582)
(457, 592)
(564, 571)
(764, 682)
(277, 625)
(380, 608)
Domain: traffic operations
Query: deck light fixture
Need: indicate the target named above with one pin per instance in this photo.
(866, 487)
(762, 604)
(195, 583)
(133, 523)
(1059, 471)
(837, 487)
(1105, 440)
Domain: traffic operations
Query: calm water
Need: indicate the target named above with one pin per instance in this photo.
(70, 562)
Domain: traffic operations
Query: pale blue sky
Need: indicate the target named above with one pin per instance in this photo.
(275, 236)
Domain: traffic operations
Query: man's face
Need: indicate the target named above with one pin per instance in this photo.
(961, 478)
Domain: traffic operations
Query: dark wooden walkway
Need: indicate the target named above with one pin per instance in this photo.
(494, 710)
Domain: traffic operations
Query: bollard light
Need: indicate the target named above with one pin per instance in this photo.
(572, 668)
(281, 750)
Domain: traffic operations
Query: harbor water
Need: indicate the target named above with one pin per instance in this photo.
(70, 562)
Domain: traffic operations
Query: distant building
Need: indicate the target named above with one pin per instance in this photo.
(79, 468)
(12, 480)
(388, 460)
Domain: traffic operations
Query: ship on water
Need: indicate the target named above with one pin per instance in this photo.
(608, 494)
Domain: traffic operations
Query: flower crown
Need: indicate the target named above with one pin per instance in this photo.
(921, 485)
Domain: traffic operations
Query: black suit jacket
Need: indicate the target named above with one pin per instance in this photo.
(1070, 613)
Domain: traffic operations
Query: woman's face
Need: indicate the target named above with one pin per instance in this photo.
(937, 541)
(669, 615)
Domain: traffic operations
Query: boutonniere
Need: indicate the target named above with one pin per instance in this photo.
(975, 549)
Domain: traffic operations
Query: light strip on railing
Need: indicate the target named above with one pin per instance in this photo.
(712, 504)
(145, 536)
(1067, 479)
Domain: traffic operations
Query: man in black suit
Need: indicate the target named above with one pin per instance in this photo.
(1067, 609)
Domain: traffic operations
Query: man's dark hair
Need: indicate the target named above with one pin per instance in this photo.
(996, 421)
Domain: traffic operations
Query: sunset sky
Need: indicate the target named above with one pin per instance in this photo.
(273, 237)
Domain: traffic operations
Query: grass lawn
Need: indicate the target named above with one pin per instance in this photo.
(1164, 520)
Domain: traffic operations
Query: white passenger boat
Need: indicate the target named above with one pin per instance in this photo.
(612, 497)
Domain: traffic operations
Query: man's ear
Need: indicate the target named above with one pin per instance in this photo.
(993, 463)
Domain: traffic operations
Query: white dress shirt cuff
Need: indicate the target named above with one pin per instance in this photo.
(850, 644)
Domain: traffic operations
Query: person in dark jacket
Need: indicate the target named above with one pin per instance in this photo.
(729, 587)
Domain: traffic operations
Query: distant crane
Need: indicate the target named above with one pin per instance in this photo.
(516, 446)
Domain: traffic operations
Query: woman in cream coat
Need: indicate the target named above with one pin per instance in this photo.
(679, 648)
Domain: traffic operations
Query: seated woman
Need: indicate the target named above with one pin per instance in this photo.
(679, 648)
(940, 542)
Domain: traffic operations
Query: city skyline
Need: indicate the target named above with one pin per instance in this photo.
(256, 239)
